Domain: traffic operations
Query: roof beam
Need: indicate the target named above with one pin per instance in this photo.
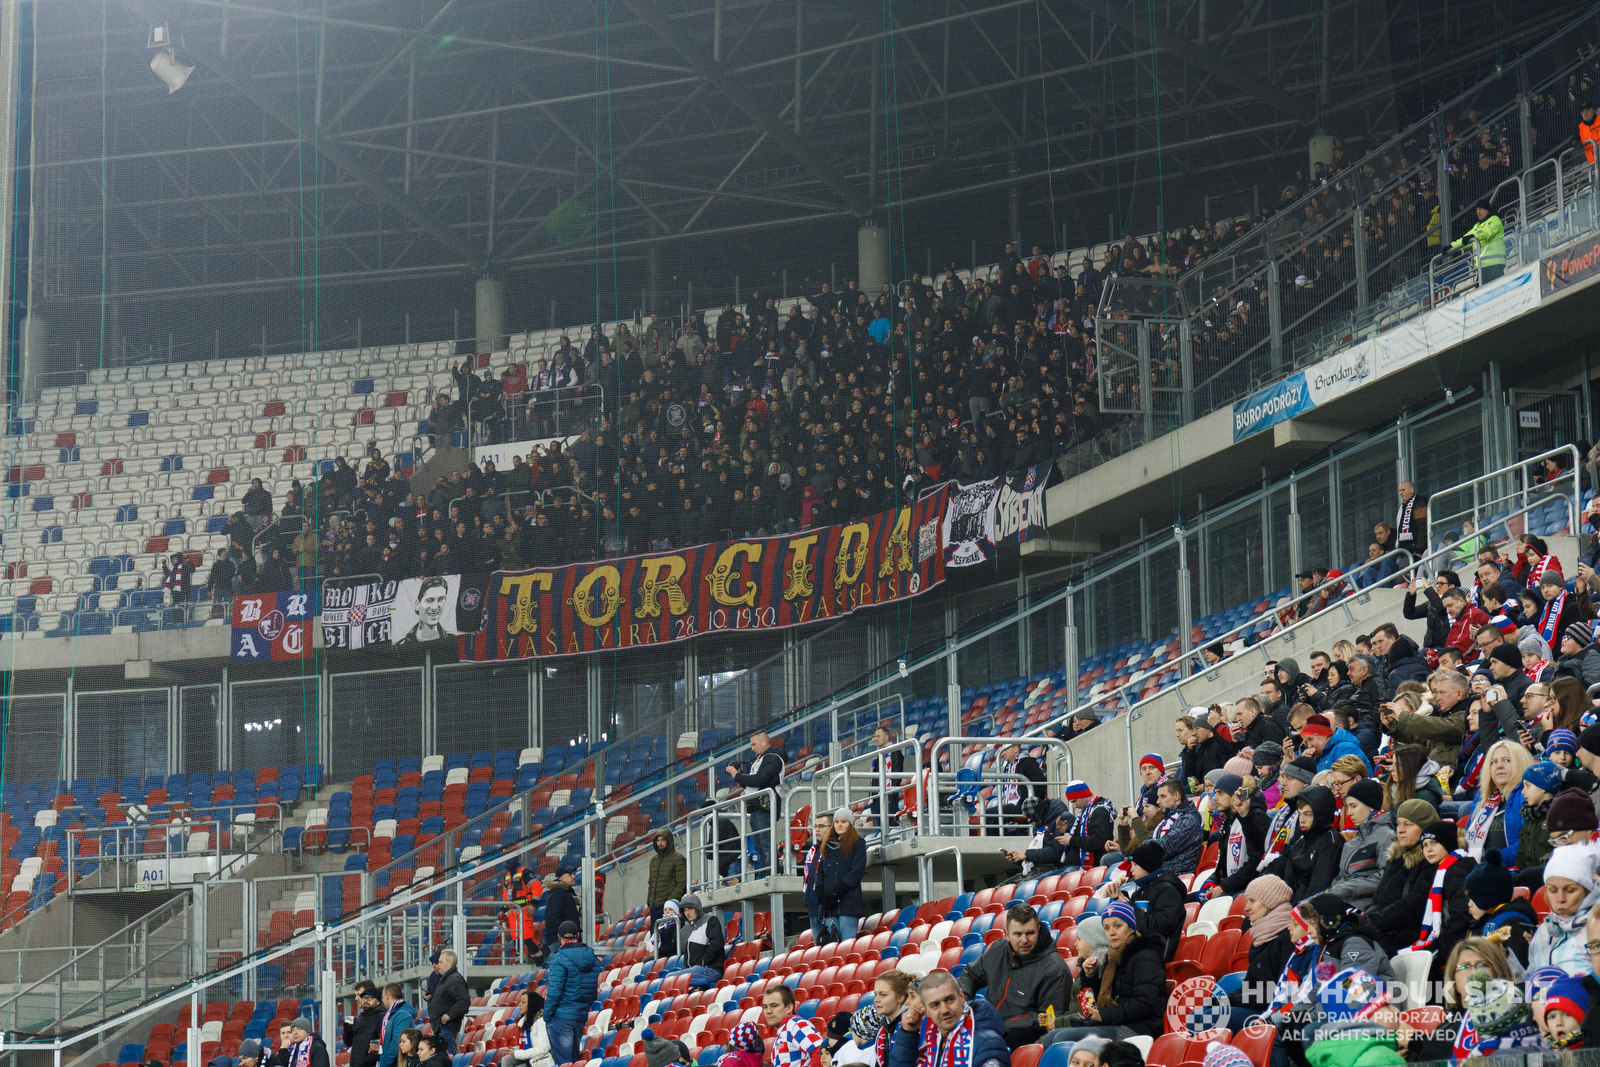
(343, 157)
(1197, 56)
(822, 168)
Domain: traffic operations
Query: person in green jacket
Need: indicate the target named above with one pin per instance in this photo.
(1490, 236)
(669, 875)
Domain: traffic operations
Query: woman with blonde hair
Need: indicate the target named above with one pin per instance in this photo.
(1496, 819)
(1475, 962)
(1343, 650)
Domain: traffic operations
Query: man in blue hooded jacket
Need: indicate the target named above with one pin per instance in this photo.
(572, 983)
(946, 1023)
(1325, 744)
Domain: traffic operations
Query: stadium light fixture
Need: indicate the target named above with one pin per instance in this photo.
(164, 64)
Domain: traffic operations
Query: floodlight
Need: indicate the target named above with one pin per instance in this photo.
(169, 70)
(165, 63)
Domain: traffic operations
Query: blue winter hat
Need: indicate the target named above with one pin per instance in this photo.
(1121, 909)
(1545, 775)
(1561, 741)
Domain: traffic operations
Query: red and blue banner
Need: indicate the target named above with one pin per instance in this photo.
(765, 583)
(272, 626)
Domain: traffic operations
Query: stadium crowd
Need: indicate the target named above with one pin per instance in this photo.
(799, 413)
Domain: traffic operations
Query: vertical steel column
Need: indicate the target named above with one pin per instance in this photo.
(1069, 638)
(1186, 357)
(535, 706)
(1524, 119)
(1442, 183)
(799, 64)
(1185, 606)
(1146, 400)
(1274, 310)
(1144, 585)
(1294, 528)
(1359, 239)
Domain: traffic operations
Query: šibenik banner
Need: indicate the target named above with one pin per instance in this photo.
(765, 583)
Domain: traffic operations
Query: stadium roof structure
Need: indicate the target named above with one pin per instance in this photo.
(365, 147)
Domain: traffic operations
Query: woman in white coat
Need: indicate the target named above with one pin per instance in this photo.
(533, 1050)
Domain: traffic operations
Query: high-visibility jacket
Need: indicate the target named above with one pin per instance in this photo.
(1490, 236)
(1588, 134)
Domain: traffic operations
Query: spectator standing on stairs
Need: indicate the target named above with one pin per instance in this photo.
(765, 771)
(572, 981)
(450, 1001)
(668, 874)
(560, 906)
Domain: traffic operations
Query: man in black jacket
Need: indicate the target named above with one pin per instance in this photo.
(450, 1001)
(1158, 894)
(1024, 975)
(1211, 750)
(766, 770)
(1258, 726)
(1007, 800)
(361, 1031)
(560, 905)
(303, 1032)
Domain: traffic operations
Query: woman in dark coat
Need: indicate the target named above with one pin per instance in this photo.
(1130, 990)
(839, 872)
(1395, 915)
(1312, 860)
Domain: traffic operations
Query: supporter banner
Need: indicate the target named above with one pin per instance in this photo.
(1577, 264)
(1446, 326)
(969, 524)
(1019, 507)
(1270, 406)
(356, 614)
(272, 626)
(766, 583)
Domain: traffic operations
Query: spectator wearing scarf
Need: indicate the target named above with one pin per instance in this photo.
(1496, 819)
(1446, 916)
(950, 1033)
(1538, 661)
(1560, 940)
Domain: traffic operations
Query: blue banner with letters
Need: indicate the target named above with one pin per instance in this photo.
(1268, 407)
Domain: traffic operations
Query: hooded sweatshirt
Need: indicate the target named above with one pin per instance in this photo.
(1243, 839)
(1312, 859)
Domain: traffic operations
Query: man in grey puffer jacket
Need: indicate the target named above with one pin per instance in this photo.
(1362, 861)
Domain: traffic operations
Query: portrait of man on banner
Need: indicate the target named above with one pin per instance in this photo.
(425, 609)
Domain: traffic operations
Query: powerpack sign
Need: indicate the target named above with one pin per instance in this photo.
(766, 583)
(272, 626)
(1563, 269)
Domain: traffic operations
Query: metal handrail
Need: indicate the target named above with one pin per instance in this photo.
(707, 816)
(177, 903)
(1510, 470)
(925, 870)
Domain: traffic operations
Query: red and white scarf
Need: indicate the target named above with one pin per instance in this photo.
(383, 1027)
(1433, 914)
(957, 1050)
(1550, 618)
(1482, 819)
(1536, 672)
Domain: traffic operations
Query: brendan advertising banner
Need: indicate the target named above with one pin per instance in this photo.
(765, 583)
